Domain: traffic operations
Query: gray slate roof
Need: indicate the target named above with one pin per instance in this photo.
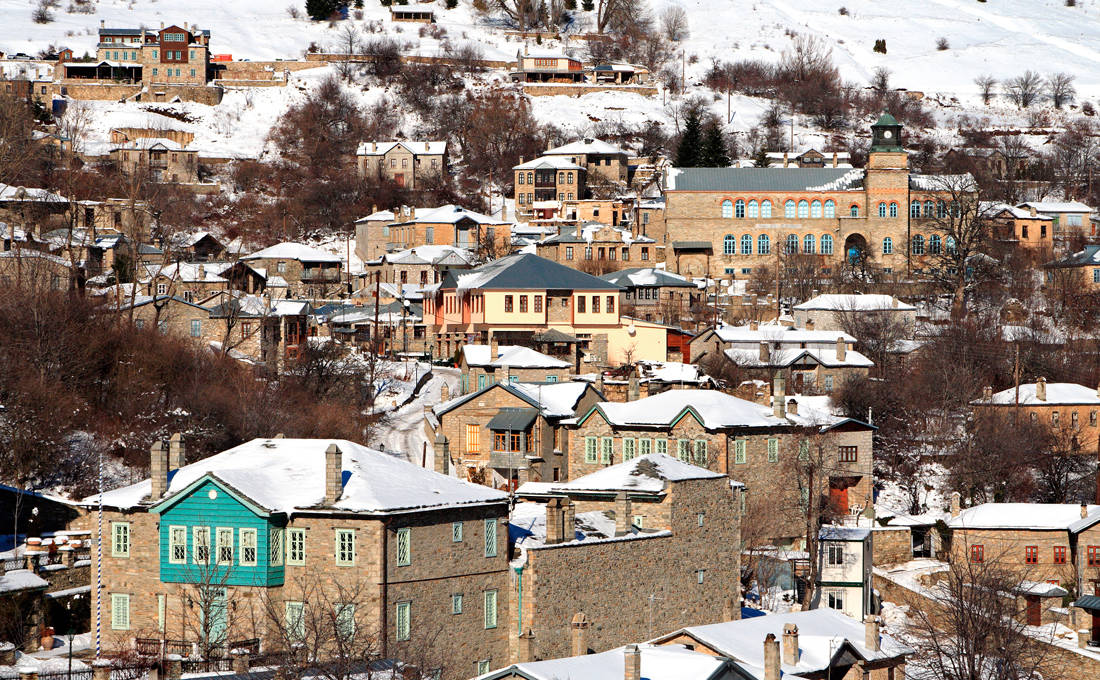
(1089, 257)
(765, 179)
(647, 276)
(524, 272)
(513, 419)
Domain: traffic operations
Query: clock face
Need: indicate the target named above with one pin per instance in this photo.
(887, 134)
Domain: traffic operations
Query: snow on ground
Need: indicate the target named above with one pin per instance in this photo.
(404, 431)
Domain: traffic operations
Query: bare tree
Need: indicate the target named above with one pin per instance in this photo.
(674, 23)
(523, 14)
(1060, 89)
(986, 85)
(964, 235)
(348, 43)
(1024, 90)
(877, 331)
(880, 81)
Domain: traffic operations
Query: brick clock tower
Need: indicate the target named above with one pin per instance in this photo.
(887, 182)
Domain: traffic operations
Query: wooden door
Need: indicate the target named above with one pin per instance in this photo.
(838, 498)
(1034, 611)
(399, 178)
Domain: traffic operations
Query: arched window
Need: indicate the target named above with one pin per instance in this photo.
(754, 208)
(803, 208)
(893, 209)
(727, 209)
(949, 245)
(808, 244)
(739, 209)
(918, 245)
(826, 244)
(882, 209)
(792, 243)
(830, 208)
(766, 209)
(746, 244)
(887, 246)
(763, 245)
(561, 178)
(914, 209)
(530, 178)
(815, 209)
(854, 211)
(929, 208)
(523, 178)
(934, 244)
(788, 208)
(729, 245)
(941, 209)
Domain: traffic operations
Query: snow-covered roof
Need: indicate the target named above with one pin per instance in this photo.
(1035, 516)
(589, 231)
(431, 254)
(1057, 394)
(585, 146)
(765, 179)
(994, 209)
(292, 251)
(788, 356)
(527, 530)
(186, 271)
(773, 333)
(554, 400)
(650, 473)
(671, 372)
(416, 148)
(450, 214)
(831, 532)
(657, 663)
(288, 475)
(145, 143)
(378, 216)
(958, 182)
(548, 162)
(512, 356)
(10, 192)
(648, 276)
(536, 53)
(1056, 206)
(714, 409)
(21, 579)
(858, 303)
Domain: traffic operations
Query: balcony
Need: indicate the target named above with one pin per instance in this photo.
(508, 460)
(318, 274)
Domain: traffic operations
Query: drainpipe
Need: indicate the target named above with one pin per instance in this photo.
(384, 588)
(519, 599)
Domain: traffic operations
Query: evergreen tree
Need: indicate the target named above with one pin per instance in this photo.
(689, 153)
(319, 10)
(451, 4)
(571, 5)
(588, 5)
(760, 158)
(714, 154)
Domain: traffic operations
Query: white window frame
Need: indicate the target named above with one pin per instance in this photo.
(220, 534)
(200, 539)
(174, 532)
(343, 547)
(249, 540)
(296, 555)
(121, 537)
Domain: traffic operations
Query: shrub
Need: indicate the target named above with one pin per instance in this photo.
(1087, 109)
(41, 14)
(942, 44)
(293, 12)
(843, 11)
(880, 46)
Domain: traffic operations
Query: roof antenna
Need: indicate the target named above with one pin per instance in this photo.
(870, 419)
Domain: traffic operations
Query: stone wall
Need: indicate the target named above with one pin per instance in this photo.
(577, 90)
(332, 58)
(891, 545)
(80, 89)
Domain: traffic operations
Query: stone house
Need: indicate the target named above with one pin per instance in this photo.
(309, 272)
(1050, 547)
(162, 160)
(193, 282)
(545, 183)
(771, 449)
(170, 315)
(630, 662)
(730, 221)
(616, 212)
(604, 163)
(245, 543)
(1027, 229)
(397, 325)
(844, 571)
(809, 158)
(39, 271)
(649, 219)
(655, 294)
(419, 266)
(175, 55)
(546, 66)
(817, 644)
(660, 533)
(1067, 408)
(508, 431)
(1069, 218)
(406, 164)
(264, 330)
(994, 163)
(1076, 272)
(517, 297)
(827, 312)
(198, 246)
(406, 228)
(482, 365)
(597, 248)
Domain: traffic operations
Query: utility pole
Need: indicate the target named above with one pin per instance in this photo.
(1016, 379)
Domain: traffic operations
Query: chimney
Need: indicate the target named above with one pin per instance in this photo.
(1041, 389)
(494, 348)
(102, 23)
(1084, 511)
(569, 521)
(771, 657)
(754, 325)
(792, 407)
(632, 391)
(334, 474)
(444, 393)
(871, 638)
(202, 272)
(728, 609)
(764, 351)
(504, 212)
(162, 25)
(987, 394)
(186, 27)
(786, 160)
(632, 663)
(779, 396)
(894, 302)
(809, 324)
(427, 145)
(790, 644)
(442, 447)
(554, 520)
(835, 159)
(177, 452)
(412, 211)
(158, 470)
(623, 519)
(841, 349)
(955, 504)
(579, 634)
(1033, 210)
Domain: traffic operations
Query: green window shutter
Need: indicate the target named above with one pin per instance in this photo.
(645, 447)
(345, 621)
(456, 603)
(456, 532)
(607, 445)
(483, 667)
(683, 450)
(590, 449)
(740, 457)
(490, 609)
(662, 446)
(628, 449)
(804, 498)
(490, 538)
(403, 622)
(275, 546)
(404, 547)
(120, 611)
(773, 450)
(701, 452)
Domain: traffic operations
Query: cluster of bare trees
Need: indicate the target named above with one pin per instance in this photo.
(1029, 88)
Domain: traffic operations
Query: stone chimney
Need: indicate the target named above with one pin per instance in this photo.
(771, 657)
(836, 159)
(871, 637)
(1041, 389)
(1084, 511)
(779, 397)
(569, 521)
(893, 302)
(334, 474)
(1033, 210)
(956, 504)
(494, 348)
(728, 609)
(412, 211)
(754, 325)
(158, 470)
(578, 629)
(162, 25)
(792, 407)
(790, 644)
(764, 351)
(809, 324)
(177, 452)
(632, 663)
(202, 272)
(623, 519)
(442, 449)
(427, 145)
(186, 27)
(841, 349)
(102, 23)
(786, 160)
(554, 522)
(632, 391)
(444, 392)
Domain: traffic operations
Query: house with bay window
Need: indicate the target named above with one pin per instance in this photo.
(242, 544)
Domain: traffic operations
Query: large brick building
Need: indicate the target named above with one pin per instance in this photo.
(730, 221)
(406, 164)
(251, 541)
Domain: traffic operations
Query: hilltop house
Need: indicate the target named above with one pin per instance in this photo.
(406, 164)
(245, 542)
(175, 55)
(159, 159)
(828, 312)
(546, 66)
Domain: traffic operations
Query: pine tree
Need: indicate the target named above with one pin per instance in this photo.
(689, 153)
(588, 5)
(760, 158)
(714, 153)
(319, 10)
